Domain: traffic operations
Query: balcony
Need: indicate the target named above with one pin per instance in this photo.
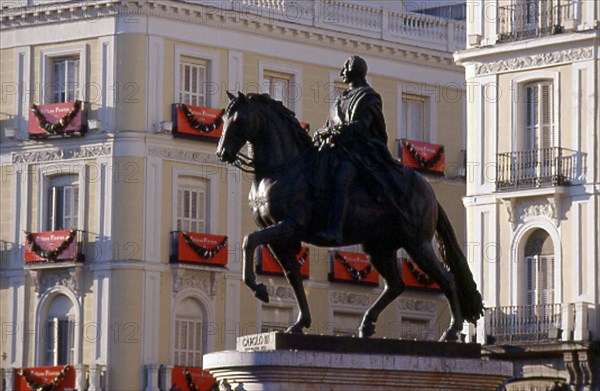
(537, 323)
(537, 18)
(538, 168)
(198, 248)
(57, 120)
(352, 268)
(424, 157)
(54, 247)
(528, 323)
(266, 263)
(67, 377)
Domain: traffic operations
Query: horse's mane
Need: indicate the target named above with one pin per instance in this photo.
(287, 115)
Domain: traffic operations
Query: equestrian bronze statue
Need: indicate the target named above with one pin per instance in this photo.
(345, 189)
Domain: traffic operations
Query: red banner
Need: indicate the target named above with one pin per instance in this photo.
(353, 267)
(415, 277)
(268, 265)
(423, 156)
(53, 113)
(46, 242)
(44, 376)
(202, 248)
(202, 379)
(183, 126)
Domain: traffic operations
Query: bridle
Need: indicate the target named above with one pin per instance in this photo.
(245, 163)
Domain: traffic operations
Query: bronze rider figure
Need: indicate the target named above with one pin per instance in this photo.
(354, 141)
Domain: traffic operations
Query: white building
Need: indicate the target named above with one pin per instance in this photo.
(533, 190)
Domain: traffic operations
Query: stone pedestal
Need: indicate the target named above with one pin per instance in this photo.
(276, 361)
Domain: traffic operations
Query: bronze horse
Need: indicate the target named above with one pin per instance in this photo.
(289, 210)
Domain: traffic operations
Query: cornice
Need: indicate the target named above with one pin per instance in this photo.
(52, 13)
(501, 51)
(303, 31)
(296, 32)
(535, 61)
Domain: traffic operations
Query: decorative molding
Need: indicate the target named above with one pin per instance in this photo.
(351, 299)
(520, 211)
(184, 278)
(533, 209)
(84, 152)
(44, 279)
(182, 155)
(537, 60)
(283, 293)
(416, 305)
(40, 14)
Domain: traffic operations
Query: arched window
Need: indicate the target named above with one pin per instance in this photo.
(59, 333)
(539, 258)
(190, 339)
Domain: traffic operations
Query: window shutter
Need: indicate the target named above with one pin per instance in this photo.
(191, 204)
(192, 81)
(531, 279)
(546, 116)
(414, 117)
(197, 348)
(51, 338)
(539, 127)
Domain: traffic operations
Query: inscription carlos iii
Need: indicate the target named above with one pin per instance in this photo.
(256, 342)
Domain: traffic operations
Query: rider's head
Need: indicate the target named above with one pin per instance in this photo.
(354, 69)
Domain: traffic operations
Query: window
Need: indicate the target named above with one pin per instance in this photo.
(189, 341)
(59, 335)
(539, 258)
(278, 86)
(346, 323)
(192, 204)
(414, 117)
(195, 70)
(416, 329)
(192, 81)
(65, 79)
(539, 128)
(63, 202)
(276, 318)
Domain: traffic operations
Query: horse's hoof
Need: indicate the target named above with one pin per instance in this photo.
(294, 329)
(366, 330)
(450, 335)
(261, 293)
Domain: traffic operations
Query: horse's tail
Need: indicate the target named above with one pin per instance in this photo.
(469, 297)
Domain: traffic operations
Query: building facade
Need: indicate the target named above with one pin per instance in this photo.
(121, 231)
(533, 191)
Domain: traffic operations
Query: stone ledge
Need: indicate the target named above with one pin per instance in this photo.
(310, 370)
(333, 344)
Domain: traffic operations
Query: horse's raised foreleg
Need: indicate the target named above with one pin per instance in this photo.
(425, 257)
(387, 266)
(279, 232)
(286, 256)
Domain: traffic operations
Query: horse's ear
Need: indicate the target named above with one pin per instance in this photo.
(230, 96)
(241, 96)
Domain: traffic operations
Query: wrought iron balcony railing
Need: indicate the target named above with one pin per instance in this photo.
(528, 323)
(538, 168)
(530, 19)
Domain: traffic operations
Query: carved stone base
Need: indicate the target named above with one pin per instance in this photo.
(281, 363)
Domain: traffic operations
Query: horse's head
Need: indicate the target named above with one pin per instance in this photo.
(239, 126)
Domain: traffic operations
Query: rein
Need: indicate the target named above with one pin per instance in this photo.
(244, 163)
